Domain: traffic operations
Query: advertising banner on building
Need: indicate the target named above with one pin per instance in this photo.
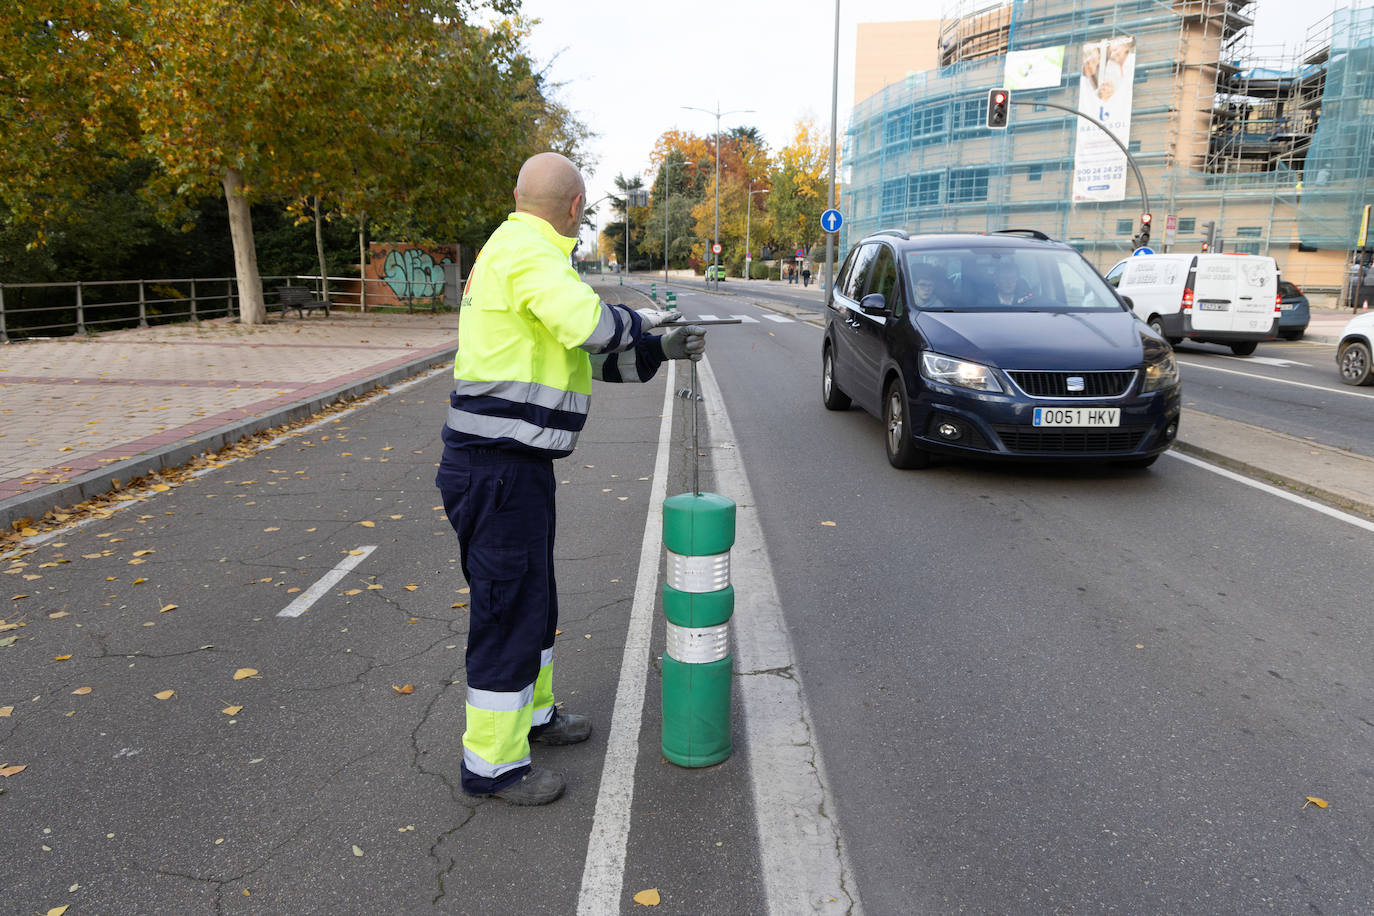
(1035, 68)
(1105, 86)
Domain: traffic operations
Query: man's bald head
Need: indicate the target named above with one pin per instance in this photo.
(550, 187)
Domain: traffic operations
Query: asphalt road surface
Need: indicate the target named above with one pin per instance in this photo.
(1024, 689)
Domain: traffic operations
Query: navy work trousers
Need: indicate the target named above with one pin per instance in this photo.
(501, 504)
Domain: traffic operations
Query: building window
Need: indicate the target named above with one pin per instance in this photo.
(1246, 247)
(897, 127)
(1250, 232)
(1124, 226)
(1133, 146)
(968, 185)
(894, 195)
(930, 121)
(971, 113)
(923, 190)
(1035, 172)
(1187, 223)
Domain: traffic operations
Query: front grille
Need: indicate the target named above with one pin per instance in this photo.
(1055, 440)
(1056, 384)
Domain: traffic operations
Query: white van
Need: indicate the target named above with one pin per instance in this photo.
(1229, 299)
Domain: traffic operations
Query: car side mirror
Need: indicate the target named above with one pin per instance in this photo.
(874, 304)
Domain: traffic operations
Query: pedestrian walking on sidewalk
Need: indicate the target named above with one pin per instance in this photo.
(531, 339)
(806, 275)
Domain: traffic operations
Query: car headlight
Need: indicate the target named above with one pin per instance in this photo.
(949, 371)
(1161, 373)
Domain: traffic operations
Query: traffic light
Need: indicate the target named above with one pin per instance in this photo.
(1209, 235)
(999, 100)
(1142, 237)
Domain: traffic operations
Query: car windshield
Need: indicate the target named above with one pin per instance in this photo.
(992, 279)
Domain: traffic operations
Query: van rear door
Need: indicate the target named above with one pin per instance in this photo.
(1234, 293)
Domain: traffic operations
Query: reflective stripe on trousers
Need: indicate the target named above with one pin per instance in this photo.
(501, 505)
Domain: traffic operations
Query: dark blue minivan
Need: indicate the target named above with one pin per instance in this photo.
(1006, 345)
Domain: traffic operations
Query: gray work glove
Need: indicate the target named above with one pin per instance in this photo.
(687, 342)
(653, 317)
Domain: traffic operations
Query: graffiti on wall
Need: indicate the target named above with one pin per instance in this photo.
(408, 272)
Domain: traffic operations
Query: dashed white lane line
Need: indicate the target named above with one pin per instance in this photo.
(780, 319)
(746, 319)
(705, 317)
(308, 597)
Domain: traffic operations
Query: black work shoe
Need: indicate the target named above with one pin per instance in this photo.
(537, 787)
(565, 728)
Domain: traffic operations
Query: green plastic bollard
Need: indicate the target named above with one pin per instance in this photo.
(698, 601)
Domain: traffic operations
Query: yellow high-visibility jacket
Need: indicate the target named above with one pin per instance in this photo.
(527, 330)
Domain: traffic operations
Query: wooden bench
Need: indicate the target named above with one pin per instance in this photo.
(299, 298)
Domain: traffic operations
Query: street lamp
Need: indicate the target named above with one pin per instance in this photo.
(715, 241)
(747, 207)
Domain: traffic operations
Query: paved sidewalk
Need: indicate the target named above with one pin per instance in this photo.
(78, 413)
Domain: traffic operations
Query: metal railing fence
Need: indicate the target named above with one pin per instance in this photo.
(81, 307)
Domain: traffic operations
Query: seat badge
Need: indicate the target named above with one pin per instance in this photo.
(1074, 383)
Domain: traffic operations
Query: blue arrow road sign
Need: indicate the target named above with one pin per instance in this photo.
(831, 220)
(1142, 250)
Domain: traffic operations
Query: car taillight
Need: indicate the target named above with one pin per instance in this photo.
(1278, 304)
(1187, 299)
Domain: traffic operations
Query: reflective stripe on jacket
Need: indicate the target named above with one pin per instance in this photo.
(523, 373)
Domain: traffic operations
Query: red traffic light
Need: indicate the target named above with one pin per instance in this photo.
(999, 100)
(1145, 219)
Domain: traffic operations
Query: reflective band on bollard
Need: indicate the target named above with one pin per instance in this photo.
(698, 574)
(698, 644)
(698, 601)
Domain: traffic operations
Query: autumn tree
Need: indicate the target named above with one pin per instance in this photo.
(799, 177)
(397, 109)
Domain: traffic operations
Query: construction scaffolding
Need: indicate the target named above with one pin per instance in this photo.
(1275, 150)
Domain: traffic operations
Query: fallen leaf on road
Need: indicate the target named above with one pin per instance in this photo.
(828, 524)
(57, 910)
(61, 658)
(231, 710)
(170, 607)
(1312, 800)
(459, 604)
(139, 581)
(354, 591)
(18, 597)
(647, 898)
(244, 672)
(143, 553)
(56, 615)
(368, 524)
(373, 587)
(357, 852)
(161, 488)
(82, 691)
(9, 770)
(6, 712)
(165, 694)
(271, 529)
(408, 688)
(411, 588)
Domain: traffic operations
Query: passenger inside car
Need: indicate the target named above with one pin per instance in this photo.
(924, 287)
(1010, 288)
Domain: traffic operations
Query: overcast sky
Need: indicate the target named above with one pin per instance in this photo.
(629, 66)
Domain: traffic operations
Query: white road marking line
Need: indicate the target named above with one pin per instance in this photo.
(802, 852)
(709, 317)
(746, 319)
(1275, 491)
(1268, 378)
(1266, 360)
(603, 872)
(315, 592)
(780, 319)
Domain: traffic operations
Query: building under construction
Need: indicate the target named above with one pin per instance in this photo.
(1275, 153)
